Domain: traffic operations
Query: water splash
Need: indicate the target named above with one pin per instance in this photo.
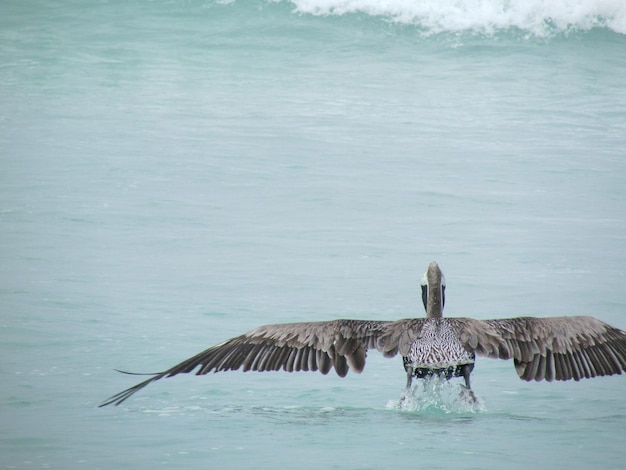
(439, 395)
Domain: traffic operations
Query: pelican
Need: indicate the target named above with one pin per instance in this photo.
(556, 348)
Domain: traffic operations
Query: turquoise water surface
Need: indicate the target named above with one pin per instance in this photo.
(175, 173)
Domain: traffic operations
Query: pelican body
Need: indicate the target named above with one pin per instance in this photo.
(556, 348)
(438, 350)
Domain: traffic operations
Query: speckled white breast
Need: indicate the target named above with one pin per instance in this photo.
(438, 347)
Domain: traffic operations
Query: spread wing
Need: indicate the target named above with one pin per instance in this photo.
(558, 348)
(311, 346)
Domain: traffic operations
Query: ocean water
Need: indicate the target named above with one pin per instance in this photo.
(174, 173)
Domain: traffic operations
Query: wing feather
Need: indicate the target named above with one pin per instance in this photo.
(324, 362)
(556, 348)
(310, 346)
(549, 374)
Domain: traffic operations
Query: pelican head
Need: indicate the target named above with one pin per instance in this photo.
(434, 291)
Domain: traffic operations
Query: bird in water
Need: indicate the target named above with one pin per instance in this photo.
(556, 348)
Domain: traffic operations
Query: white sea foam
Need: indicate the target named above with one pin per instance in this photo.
(537, 17)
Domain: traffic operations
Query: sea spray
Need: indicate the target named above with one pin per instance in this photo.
(436, 394)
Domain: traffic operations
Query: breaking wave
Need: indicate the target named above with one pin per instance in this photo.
(535, 17)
